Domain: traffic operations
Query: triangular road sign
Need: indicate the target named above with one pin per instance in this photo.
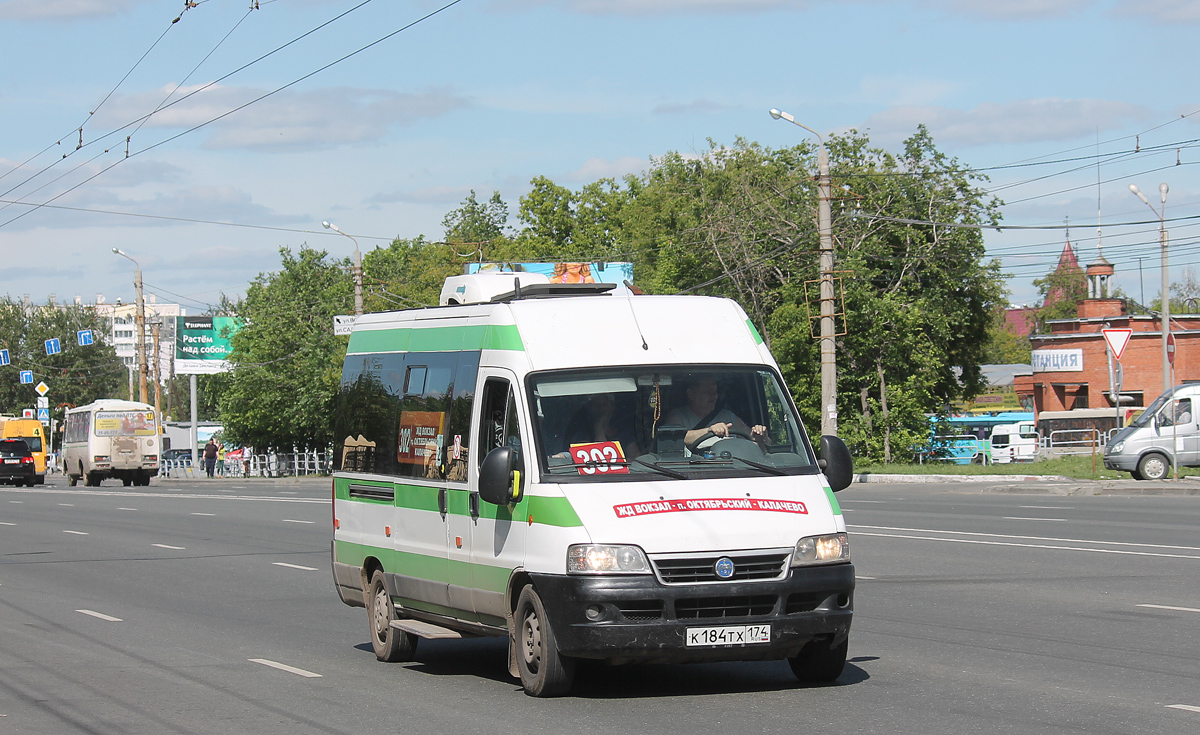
(1117, 340)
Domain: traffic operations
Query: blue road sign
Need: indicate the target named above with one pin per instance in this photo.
(3, 357)
(26, 376)
(44, 415)
(53, 346)
(84, 336)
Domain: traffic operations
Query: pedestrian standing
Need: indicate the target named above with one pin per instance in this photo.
(210, 457)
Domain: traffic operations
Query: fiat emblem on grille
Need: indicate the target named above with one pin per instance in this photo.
(724, 567)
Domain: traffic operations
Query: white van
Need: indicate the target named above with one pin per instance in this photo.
(1165, 433)
(597, 476)
(1014, 442)
(111, 438)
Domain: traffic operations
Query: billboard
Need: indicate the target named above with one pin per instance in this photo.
(202, 344)
(598, 272)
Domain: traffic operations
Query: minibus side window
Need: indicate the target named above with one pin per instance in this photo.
(424, 411)
(499, 424)
(458, 436)
(365, 414)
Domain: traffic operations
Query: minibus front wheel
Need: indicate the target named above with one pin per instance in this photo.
(544, 671)
(1154, 466)
(819, 661)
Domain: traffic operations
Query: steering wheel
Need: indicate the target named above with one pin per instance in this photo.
(710, 433)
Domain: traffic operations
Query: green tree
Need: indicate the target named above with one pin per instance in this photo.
(476, 222)
(78, 375)
(286, 360)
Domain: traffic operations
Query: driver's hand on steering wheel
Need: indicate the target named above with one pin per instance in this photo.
(720, 428)
(758, 433)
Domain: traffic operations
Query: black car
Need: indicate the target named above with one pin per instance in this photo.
(16, 462)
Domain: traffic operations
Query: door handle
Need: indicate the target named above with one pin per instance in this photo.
(442, 507)
(473, 503)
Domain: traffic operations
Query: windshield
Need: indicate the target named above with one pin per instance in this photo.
(679, 422)
(124, 423)
(1144, 419)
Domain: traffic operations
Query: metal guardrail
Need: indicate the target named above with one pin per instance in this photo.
(1076, 441)
(274, 464)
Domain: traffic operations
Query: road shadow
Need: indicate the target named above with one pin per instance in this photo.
(487, 658)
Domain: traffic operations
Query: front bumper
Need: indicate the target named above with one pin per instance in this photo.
(641, 619)
(1122, 462)
(18, 473)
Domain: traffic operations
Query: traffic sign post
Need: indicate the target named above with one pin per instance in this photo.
(84, 336)
(26, 377)
(53, 346)
(43, 415)
(4, 357)
(1171, 352)
(41, 388)
(1117, 339)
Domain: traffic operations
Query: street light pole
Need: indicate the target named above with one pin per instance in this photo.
(825, 232)
(141, 325)
(1166, 283)
(358, 274)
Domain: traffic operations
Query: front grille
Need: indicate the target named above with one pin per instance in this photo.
(701, 568)
(804, 602)
(725, 607)
(641, 610)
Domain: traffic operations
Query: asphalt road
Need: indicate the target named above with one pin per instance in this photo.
(208, 607)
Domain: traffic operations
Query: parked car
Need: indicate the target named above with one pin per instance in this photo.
(16, 463)
(177, 454)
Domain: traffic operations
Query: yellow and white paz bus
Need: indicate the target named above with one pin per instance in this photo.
(111, 438)
(593, 475)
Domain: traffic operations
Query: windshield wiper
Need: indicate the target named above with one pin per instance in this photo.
(662, 470)
(727, 460)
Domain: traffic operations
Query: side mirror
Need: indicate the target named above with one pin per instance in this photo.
(500, 477)
(836, 462)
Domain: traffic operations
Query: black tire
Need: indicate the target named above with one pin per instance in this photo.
(126, 481)
(1154, 466)
(1136, 475)
(818, 662)
(390, 644)
(72, 480)
(544, 671)
(93, 479)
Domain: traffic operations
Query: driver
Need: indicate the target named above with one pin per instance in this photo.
(702, 416)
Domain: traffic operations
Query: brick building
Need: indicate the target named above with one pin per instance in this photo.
(1071, 363)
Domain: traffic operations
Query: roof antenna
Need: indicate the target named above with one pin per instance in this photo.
(516, 288)
(629, 286)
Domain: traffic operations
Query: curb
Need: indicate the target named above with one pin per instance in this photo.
(876, 477)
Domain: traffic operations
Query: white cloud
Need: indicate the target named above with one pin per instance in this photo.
(696, 107)
(287, 121)
(63, 9)
(1162, 11)
(428, 195)
(1013, 122)
(602, 168)
(1010, 9)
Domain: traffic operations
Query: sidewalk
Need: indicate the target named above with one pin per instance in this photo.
(1048, 484)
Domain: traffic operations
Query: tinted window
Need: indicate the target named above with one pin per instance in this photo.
(14, 448)
(424, 414)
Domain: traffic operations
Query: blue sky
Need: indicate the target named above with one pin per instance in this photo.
(487, 94)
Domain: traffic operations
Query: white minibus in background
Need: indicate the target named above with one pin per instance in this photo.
(1015, 442)
(110, 438)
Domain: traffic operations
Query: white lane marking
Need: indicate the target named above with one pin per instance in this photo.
(204, 514)
(294, 566)
(1031, 538)
(1046, 507)
(1185, 707)
(176, 548)
(858, 577)
(847, 510)
(134, 509)
(1028, 546)
(102, 616)
(2, 523)
(77, 533)
(16, 501)
(69, 505)
(1018, 518)
(1171, 607)
(289, 520)
(287, 492)
(860, 500)
(285, 667)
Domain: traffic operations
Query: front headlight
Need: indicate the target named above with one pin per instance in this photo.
(821, 549)
(600, 559)
(1116, 448)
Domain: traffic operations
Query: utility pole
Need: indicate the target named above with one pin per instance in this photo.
(141, 325)
(828, 329)
(1167, 382)
(157, 375)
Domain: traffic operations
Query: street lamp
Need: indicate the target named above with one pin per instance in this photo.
(825, 230)
(141, 325)
(1166, 285)
(357, 271)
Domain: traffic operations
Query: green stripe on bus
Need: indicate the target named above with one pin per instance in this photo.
(757, 337)
(833, 503)
(437, 339)
(431, 568)
(549, 511)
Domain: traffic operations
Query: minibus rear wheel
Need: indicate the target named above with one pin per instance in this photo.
(390, 644)
(544, 671)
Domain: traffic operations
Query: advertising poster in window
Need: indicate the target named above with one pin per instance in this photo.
(421, 437)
